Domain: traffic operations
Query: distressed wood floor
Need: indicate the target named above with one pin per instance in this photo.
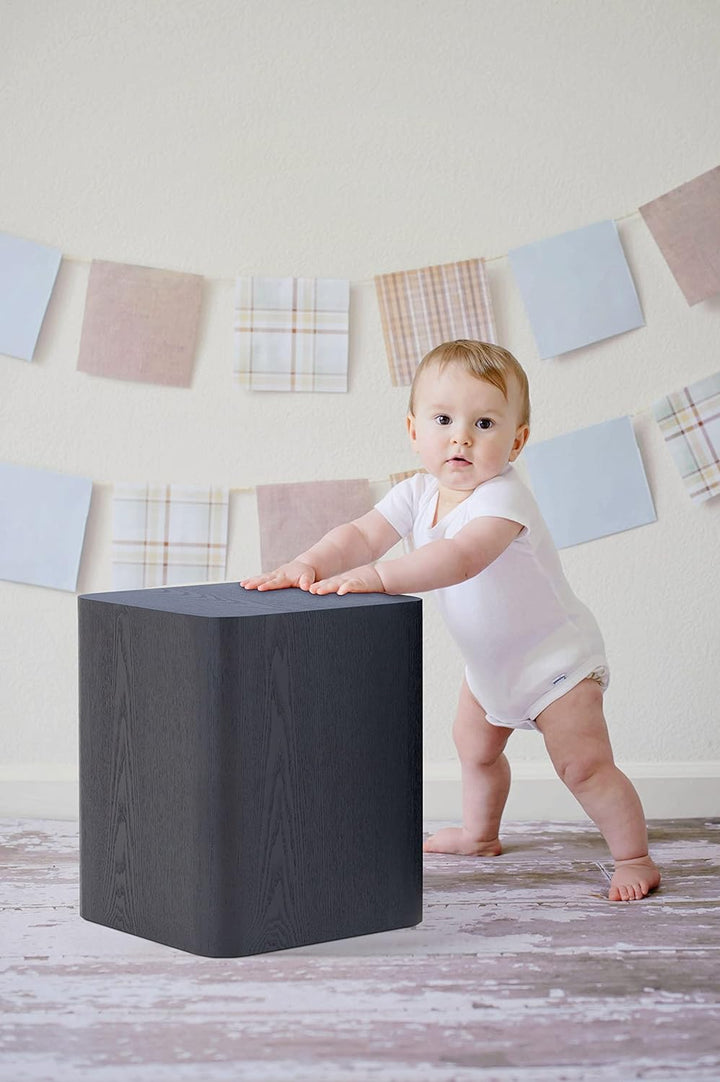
(521, 970)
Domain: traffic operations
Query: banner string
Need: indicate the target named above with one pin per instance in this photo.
(353, 281)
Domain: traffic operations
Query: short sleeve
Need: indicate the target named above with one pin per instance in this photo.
(503, 497)
(398, 506)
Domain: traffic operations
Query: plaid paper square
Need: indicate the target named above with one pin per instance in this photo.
(293, 517)
(685, 224)
(690, 423)
(291, 334)
(168, 535)
(140, 324)
(419, 309)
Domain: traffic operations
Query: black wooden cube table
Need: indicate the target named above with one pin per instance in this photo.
(250, 765)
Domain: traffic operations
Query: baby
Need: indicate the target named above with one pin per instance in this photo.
(534, 655)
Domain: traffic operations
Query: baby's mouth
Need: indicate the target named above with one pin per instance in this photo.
(459, 459)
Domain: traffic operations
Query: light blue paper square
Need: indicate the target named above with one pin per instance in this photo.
(576, 288)
(42, 525)
(27, 276)
(590, 483)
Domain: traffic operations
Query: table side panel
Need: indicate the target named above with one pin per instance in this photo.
(325, 770)
(147, 692)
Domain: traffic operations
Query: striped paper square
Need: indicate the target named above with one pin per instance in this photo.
(293, 517)
(291, 334)
(168, 535)
(420, 309)
(685, 224)
(690, 423)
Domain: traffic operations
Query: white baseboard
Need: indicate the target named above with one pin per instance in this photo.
(668, 791)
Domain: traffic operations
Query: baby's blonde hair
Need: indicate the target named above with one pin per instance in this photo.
(482, 360)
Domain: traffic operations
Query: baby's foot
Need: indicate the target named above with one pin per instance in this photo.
(459, 840)
(633, 879)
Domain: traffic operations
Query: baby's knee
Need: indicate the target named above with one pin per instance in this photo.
(576, 771)
(476, 752)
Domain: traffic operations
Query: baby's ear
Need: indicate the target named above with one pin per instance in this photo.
(521, 437)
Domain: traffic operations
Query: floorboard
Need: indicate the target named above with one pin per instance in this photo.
(521, 971)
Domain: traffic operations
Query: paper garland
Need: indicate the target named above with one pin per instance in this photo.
(690, 423)
(42, 525)
(420, 309)
(27, 278)
(168, 535)
(686, 226)
(590, 483)
(577, 288)
(291, 334)
(293, 517)
(140, 324)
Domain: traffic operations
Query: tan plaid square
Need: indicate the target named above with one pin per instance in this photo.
(421, 309)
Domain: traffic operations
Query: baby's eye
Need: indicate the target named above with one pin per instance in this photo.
(442, 418)
(485, 422)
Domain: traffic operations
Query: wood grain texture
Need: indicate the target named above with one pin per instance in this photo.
(521, 971)
(230, 765)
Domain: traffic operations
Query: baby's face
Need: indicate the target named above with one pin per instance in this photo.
(464, 428)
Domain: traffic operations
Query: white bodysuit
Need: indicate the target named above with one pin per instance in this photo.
(525, 637)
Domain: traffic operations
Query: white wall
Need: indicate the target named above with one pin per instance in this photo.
(348, 139)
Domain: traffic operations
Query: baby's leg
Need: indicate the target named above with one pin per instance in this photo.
(485, 783)
(577, 741)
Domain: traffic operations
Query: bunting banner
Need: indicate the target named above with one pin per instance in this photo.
(43, 515)
(168, 535)
(420, 309)
(685, 224)
(27, 278)
(690, 423)
(140, 324)
(291, 334)
(293, 517)
(590, 483)
(576, 288)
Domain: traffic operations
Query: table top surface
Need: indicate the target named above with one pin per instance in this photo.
(218, 599)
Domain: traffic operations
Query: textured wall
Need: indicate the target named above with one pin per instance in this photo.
(343, 139)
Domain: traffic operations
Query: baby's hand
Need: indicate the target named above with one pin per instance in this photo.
(360, 580)
(296, 573)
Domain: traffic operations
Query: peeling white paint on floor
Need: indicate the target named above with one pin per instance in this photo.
(521, 971)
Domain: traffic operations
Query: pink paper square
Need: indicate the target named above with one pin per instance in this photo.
(140, 324)
(686, 226)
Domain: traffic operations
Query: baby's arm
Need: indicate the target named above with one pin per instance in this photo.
(361, 541)
(437, 564)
